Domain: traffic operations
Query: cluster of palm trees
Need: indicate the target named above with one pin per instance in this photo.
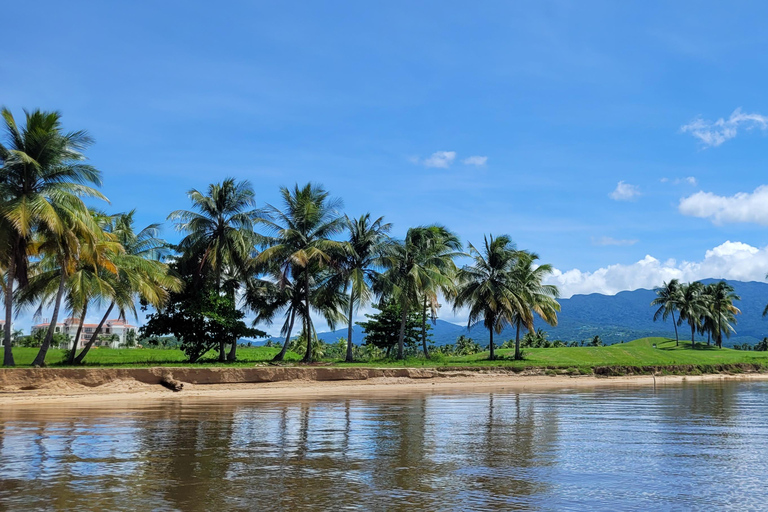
(707, 308)
(54, 250)
(286, 263)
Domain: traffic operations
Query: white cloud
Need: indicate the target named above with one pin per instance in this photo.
(712, 134)
(607, 240)
(625, 192)
(475, 160)
(730, 260)
(741, 207)
(441, 159)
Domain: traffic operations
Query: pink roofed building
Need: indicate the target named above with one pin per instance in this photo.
(114, 333)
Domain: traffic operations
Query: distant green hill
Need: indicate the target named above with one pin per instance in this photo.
(622, 317)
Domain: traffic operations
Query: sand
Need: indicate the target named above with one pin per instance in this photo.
(51, 386)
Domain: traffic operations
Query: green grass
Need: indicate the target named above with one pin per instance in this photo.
(636, 353)
(134, 357)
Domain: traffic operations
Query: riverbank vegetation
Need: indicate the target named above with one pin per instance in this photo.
(639, 356)
(287, 263)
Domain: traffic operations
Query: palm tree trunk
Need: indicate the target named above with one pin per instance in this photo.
(693, 341)
(517, 342)
(308, 320)
(10, 276)
(493, 355)
(350, 355)
(40, 358)
(677, 339)
(401, 335)
(94, 336)
(424, 329)
(281, 355)
(73, 352)
(709, 337)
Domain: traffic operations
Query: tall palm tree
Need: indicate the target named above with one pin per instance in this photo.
(487, 286)
(667, 298)
(140, 274)
(422, 264)
(43, 175)
(722, 311)
(220, 233)
(301, 245)
(368, 242)
(537, 298)
(692, 306)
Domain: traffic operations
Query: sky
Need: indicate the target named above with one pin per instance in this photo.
(623, 142)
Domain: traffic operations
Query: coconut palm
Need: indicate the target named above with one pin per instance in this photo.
(276, 292)
(300, 244)
(722, 313)
(421, 265)
(692, 305)
(667, 298)
(537, 298)
(487, 286)
(140, 274)
(63, 251)
(78, 276)
(220, 234)
(42, 179)
(368, 242)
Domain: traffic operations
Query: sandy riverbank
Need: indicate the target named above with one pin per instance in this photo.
(104, 386)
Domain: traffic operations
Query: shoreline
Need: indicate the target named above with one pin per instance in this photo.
(124, 391)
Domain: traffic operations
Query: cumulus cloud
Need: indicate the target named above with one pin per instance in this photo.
(441, 159)
(625, 192)
(730, 260)
(607, 240)
(475, 160)
(741, 207)
(714, 133)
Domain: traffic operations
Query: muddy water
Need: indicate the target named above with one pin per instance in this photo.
(693, 446)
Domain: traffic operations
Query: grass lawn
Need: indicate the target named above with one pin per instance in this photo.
(635, 353)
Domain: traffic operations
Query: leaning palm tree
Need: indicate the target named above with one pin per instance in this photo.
(667, 298)
(139, 273)
(537, 298)
(692, 306)
(722, 312)
(487, 286)
(42, 176)
(368, 242)
(220, 234)
(64, 250)
(421, 265)
(300, 244)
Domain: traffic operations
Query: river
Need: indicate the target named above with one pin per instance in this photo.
(689, 446)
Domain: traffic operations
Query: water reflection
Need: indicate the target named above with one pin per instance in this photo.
(692, 446)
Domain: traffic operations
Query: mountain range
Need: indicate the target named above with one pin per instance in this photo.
(622, 317)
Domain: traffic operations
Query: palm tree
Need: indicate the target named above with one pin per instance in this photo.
(43, 175)
(63, 251)
(79, 276)
(692, 305)
(220, 233)
(722, 312)
(667, 298)
(537, 298)
(140, 274)
(368, 243)
(487, 286)
(300, 245)
(421, 265)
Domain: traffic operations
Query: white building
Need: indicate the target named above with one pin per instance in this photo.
(113, 333)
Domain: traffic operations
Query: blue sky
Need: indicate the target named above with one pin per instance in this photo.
(559, 103)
